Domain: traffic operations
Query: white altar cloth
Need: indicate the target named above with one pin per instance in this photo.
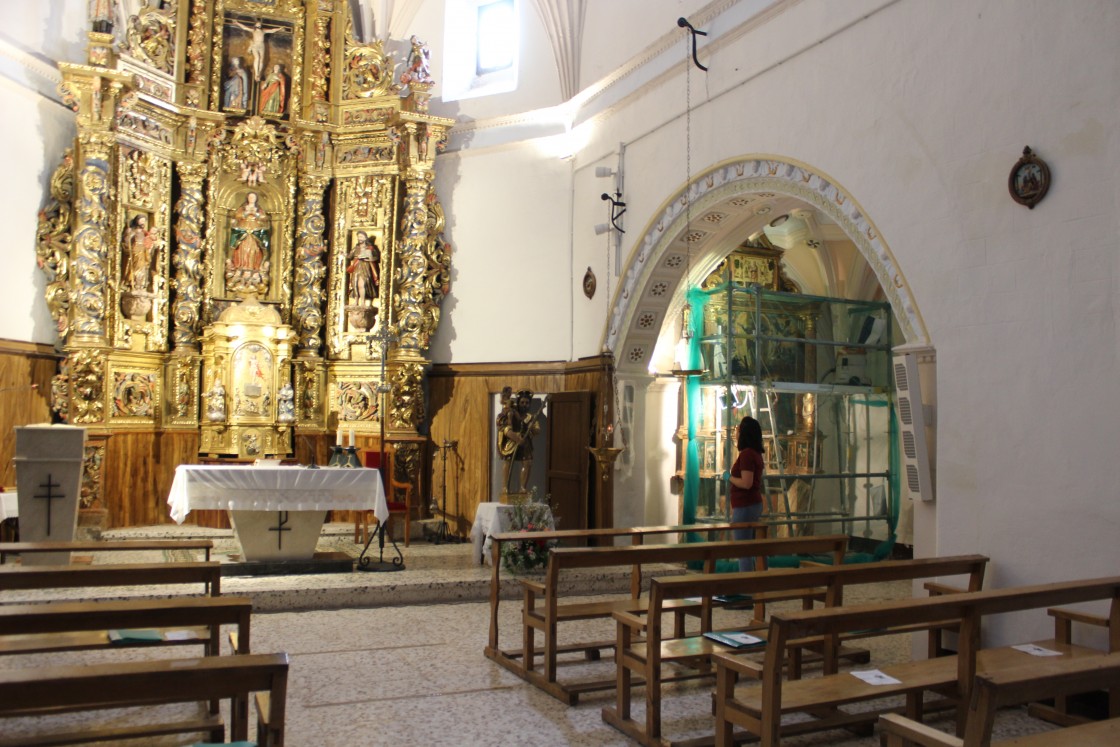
(9, 506)
(286, 488)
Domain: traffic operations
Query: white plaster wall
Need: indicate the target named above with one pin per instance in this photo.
(508, 221)
(34, 129)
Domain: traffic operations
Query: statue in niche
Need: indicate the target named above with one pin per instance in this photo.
(274, 91)
(363, 270)
(139, 248)
(216, 403)
(182, 393)
(517, 425)
(249, 234)
(365, 277)
(235, 88)
(285, 404)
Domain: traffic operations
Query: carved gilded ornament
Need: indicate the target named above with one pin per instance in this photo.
(87, 379)
(90, 253)
(53, 239)
(151, 36)
(134, 394)
(90, 491)
(187, 258)
(310, 270)
(356, 400)
(406, 409)
(255, 148)
(368, 72)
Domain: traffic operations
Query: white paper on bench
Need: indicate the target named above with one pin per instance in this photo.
(1033, 650)
(876, 677)
(180, 635)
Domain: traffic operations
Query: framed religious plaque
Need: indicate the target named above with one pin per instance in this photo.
(1029, 179)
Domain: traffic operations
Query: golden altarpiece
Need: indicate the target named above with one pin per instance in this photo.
(246, 209)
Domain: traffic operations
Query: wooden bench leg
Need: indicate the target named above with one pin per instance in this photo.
(726, 679)
(528, 646)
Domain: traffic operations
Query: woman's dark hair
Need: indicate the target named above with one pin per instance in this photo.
(750, 435)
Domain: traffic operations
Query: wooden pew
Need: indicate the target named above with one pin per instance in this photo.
(73, 626)
(543, 609)
(68, 689)
(25, 578)
(760, 710)
(638, 656)
(21, 548)
(636, 535)
(1044, 678)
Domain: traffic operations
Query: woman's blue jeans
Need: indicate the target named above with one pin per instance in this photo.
(744, 514)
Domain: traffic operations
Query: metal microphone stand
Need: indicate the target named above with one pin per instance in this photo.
(443, 534)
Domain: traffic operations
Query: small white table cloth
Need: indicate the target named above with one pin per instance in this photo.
(495, 518)
(280, 488)
(9, 506)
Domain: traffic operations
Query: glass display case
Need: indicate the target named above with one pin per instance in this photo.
(815, 372)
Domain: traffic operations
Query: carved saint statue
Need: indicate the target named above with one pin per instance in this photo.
(517, 425)
(247, 265)
(216, 403)
(363, 269)
(274, 91)
(248, 235)
(235, 88)
(139, 247)
(285, 403)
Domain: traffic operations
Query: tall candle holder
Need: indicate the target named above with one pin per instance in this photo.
(338, 457)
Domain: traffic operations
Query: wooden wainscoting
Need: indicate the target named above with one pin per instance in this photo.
(26, 370)
(459, 410)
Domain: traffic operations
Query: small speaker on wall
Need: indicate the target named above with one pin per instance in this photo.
(911, 414)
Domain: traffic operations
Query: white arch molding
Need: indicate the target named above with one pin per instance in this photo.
(654, 276)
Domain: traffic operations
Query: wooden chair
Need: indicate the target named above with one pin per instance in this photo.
(393, 489)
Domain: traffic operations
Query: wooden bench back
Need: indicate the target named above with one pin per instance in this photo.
(99, 686)
(59, 617)
(969, 608)
(19, 548)
(637, 535)
(561, 558)
(23, 578)
(777, 579)
(1039, 680)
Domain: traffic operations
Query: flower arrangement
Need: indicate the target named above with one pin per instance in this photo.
(528, 555)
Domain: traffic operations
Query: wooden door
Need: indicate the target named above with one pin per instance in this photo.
(569, 435)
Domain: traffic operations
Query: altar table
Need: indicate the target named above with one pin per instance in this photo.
(277, 511)
(9, 509)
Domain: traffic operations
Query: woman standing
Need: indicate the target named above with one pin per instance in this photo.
(746, 482)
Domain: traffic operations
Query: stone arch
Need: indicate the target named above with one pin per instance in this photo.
(727, 200)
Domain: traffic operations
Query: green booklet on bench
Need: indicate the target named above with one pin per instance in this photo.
(735, 640)
(135, 636)
(732, 598)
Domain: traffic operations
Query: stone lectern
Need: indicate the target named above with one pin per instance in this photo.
(49, 477)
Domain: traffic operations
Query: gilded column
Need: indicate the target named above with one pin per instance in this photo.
(410, 291)
(91, 239)
(187, 258)
(310, 271)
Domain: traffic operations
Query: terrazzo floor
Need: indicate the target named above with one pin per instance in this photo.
(397, 659)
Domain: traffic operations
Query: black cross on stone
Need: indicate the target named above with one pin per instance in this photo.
(49, 496)
(280, 528)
